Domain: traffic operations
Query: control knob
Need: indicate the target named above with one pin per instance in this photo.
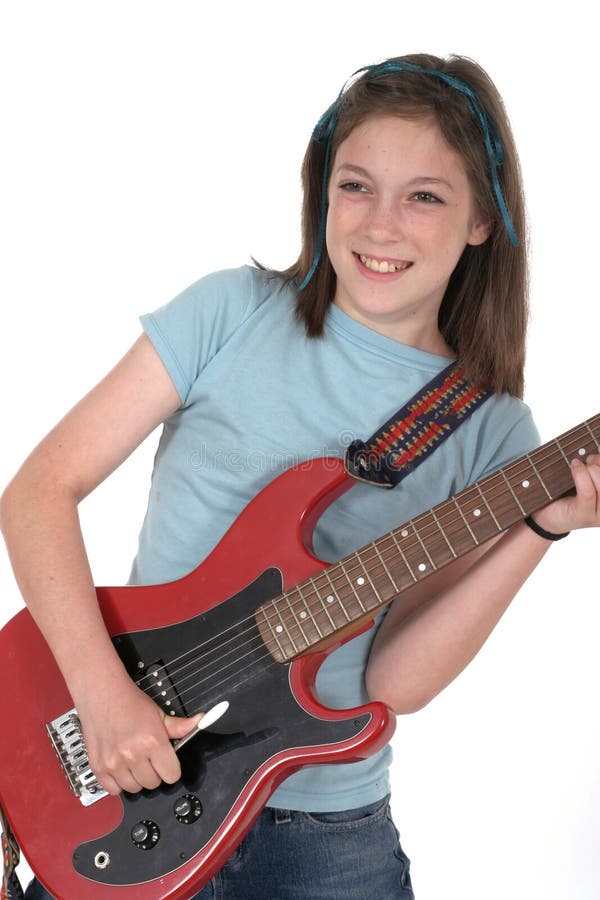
(145, 834)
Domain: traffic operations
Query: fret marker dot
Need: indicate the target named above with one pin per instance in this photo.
(525, 484)
(422, 567)
(581, 451)
(476, 512)
(329, 598)
(360, 581)
(404, 533)
(279, 629)
(303, 614)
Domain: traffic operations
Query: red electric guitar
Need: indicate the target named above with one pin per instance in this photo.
(242, 636)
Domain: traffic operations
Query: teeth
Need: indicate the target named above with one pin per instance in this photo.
(384, 266)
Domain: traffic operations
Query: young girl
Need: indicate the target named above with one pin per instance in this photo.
(413, 254)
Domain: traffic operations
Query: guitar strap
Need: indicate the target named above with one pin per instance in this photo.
(11, 888)
(414, 432)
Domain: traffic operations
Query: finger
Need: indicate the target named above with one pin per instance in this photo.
(108, 783)
(166, 764)
(593, 467)
(177, 727)
(145, 774)
(593, 463)
(164, 759)
(119, 780)
(586, 489)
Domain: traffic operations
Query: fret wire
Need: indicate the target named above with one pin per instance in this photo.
(516, 468)
(274, 629)
(431, 562)
(443, 533)
(580, 444)
(465, 520)
(367, 573)
(309, 610)
(292, 641)
(429, 528)
(334, 575)
(547, 459)
(562, 451)
(360, 603)
(575, 434)
(406, 563)
(270, 611)
(387, 571)
(516, 499)
(335, 594)
(576, 439)
(519, 467)
(323, 603)
(541, 480)
(446, 514)
(447, 531)
(592, 435)
(488, 507)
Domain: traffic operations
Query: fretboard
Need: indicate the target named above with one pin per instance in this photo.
(362, 583)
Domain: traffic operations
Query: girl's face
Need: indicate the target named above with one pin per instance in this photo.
(401, 212)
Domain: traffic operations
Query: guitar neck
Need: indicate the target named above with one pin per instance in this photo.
(341, 597)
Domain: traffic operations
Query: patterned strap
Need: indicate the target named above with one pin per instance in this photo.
(10, 888)
(414, 432)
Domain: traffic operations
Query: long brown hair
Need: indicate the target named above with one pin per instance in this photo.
(483, 315)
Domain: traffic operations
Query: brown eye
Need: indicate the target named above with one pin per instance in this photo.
(352, 186)
(426, 197)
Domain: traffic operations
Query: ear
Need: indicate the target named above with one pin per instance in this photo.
(480, 232)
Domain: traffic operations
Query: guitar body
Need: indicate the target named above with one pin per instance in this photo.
(170, 841)
(241, 637)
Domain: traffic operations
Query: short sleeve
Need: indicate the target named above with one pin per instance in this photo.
(506, 434)
(189, 330)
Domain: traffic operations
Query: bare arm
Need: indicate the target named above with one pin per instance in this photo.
(428, 638)
(40, 523)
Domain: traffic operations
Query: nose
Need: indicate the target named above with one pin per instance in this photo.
(385, 221)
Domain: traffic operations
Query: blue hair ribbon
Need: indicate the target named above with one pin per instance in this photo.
(323, 132)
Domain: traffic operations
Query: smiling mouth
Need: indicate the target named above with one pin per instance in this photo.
(382, 265)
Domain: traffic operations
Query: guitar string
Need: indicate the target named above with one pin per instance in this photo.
(344, 574)
(256, 638)
(227, 675)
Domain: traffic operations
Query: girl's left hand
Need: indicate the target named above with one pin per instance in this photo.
(579, 510)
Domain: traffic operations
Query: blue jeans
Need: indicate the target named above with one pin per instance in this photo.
(290, 855)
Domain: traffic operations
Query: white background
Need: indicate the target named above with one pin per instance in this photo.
(144, 144)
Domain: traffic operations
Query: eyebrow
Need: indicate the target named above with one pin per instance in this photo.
(430, 179)
(414, 182)
(357, 170)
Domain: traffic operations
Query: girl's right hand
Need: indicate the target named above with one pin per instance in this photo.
(128, 739)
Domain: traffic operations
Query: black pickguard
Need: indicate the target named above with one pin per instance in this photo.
(263, 719)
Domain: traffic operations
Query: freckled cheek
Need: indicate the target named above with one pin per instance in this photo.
(341, 222)
(413, 217)
(440, 237)
(448, 257)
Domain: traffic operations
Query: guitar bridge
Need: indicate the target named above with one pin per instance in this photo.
(67, 739)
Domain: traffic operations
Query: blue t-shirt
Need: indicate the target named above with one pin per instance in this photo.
(258, 396)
